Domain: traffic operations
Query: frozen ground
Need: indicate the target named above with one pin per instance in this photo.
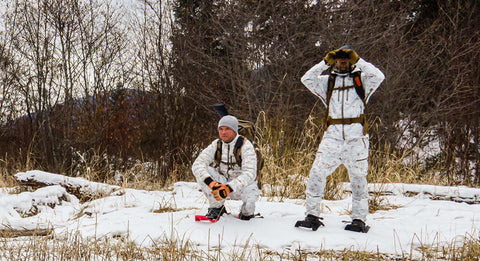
(418, 221)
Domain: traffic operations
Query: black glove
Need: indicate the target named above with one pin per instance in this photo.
(212, 184)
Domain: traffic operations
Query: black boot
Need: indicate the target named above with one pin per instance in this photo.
(357, 225)
(245, 217)
(216, 213)
(310, 221)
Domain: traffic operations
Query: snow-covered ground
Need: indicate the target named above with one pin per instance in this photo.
(419, 220)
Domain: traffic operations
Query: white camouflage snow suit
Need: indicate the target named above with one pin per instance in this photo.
(241, 180)
(342, 143)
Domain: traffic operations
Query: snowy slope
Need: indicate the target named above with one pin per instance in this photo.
(419, 220)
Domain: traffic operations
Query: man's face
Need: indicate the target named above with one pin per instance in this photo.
(343, 65)
(226, 134)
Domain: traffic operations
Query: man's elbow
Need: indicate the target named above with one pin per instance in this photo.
(381, 76)
(305, 80)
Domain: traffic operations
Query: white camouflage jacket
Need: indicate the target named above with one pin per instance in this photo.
(237, 177)
(344, 103)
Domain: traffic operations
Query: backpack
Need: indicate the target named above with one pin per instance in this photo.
(246, 130)
(357, 84)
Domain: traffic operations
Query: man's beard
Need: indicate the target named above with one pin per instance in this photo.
(344, 69)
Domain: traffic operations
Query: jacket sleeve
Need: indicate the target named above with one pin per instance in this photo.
(204, 159)
(316, 82)
(248, 170)
(372, 77)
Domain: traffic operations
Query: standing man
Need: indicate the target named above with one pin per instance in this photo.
(228, 167)
(345, 92)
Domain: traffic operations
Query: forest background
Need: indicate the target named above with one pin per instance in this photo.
(125, 92)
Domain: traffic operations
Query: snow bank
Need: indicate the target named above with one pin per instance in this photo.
(31, 210)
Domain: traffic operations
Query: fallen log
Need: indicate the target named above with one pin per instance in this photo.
(83, 189)
(459, 194)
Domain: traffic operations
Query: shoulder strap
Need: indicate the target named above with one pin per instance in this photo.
(237, 150)
(357, 81)
(331, 85)
(218, 153)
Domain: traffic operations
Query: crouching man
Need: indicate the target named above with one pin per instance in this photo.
(228, 167)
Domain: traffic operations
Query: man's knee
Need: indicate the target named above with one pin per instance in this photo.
(251, 193)
(359, 187)
(357, 169)
(316, 182)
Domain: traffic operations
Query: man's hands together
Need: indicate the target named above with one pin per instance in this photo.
(334, 55)
(220, 191)
(213, 184)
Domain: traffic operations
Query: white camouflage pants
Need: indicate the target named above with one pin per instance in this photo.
(332, 153)
(249, 195)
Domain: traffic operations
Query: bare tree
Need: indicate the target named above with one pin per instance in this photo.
(47, 38)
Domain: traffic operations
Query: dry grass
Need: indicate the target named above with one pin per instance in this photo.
(167, 205)
(6, 179)
(174, 247)
(389, 167)
(9, 166)
(347, 254)
(74, 247)
(288, 156)
(288, 159)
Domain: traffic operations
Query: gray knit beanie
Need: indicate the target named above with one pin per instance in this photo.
(229, 121)
(347, 46)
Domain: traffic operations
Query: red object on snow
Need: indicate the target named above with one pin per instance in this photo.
(204, 218)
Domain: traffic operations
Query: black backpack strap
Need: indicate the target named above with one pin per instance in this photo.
(357, 82)
(330, 87)
(218, 153)
(237, 150)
